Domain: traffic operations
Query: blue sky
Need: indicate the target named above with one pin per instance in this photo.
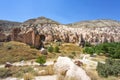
(63, 11)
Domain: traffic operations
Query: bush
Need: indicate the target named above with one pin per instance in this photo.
(71, 56)
(5, 73)
(56, 49)
(50, 48)
(73, 53)
(41, 60)
(110, 68)
(9, 47)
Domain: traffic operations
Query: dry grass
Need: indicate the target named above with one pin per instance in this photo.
(69, 47)
(94, 76)
(99, 58)
(16, 71)
(62, 77)
(28, 76)
(47, 70)
(66, 49)
(16, 51)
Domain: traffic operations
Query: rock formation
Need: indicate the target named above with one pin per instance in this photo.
(31, 37)
(36, 31)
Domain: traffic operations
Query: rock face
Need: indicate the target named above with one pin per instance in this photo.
(39, 30)
(30, 37)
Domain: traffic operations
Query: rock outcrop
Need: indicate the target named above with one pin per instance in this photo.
(30, 37)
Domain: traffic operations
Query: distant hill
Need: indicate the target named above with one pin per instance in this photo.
(41, 20)
(96, 23)
(6, 25)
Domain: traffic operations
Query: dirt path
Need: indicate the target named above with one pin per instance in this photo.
(50, 77)
(24, 63)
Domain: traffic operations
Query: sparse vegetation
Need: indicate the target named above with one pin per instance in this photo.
(5, 73)
(110, 68)
(50, 49)
(41, 60)
(16, 51)
(71, 56)
(48, 70)
(56, 49)
(25, 52)
(25, 71)
(16, 71)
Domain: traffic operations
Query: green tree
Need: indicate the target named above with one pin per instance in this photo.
(110, 49)
(41, 60)
(89, 50)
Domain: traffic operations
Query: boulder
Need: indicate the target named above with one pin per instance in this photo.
(43, 51)
(66, 69)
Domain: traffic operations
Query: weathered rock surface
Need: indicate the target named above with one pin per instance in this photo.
(36, 31)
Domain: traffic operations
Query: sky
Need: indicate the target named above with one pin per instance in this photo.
(63, 11)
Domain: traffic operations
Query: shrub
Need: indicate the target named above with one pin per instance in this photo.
(110, 68)
(71, 56)
(5, 73)
(41, 60)
(101, 70)
(56, 49)
(32, 46)
(50, 48)
(9, 47)
(73, 53)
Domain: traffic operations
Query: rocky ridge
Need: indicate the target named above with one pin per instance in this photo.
(37, 31)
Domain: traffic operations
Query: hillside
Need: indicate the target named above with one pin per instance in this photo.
(8, 25)
(16, 51)
(96, 23)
